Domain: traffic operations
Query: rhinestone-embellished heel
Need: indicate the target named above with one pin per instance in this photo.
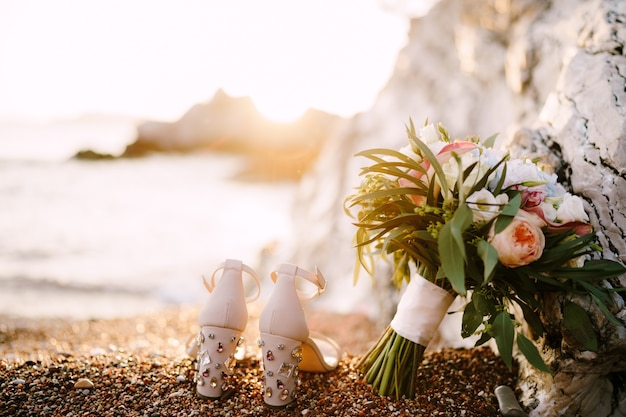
(222, 321)
(286, 343)
(216, 360)
(281, 372)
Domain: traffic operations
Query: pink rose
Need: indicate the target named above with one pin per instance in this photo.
(533, 197)
(458, 148)
(522, 242)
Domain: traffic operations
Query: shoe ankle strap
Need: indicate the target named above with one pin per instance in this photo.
(316, 278)
(238, 266)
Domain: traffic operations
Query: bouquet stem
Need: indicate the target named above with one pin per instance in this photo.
(390, 366)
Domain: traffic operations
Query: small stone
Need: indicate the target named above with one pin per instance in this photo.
(83, 383)
(180, 379)
(18, 382)
(178, 393)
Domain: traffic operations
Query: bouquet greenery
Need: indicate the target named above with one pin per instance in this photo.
(473, 222)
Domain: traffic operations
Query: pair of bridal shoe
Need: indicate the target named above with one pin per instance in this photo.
(287, 345)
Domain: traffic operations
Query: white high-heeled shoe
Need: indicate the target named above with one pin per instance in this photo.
(222, 321)
(287, 344)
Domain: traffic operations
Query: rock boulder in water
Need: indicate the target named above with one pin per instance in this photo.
(233, 124)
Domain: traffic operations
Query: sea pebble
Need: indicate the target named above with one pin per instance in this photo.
(181, 378)
(450, 381)
(83, 383)
(178, 393)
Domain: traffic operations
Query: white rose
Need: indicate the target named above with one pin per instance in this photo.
(485, 206)
(492, 156)
(571, 209)
(408, 151)
(429, 134)
(549, 212)
(518, 172)
(451, 170)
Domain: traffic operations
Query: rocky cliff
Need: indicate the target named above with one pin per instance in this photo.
(549, 77)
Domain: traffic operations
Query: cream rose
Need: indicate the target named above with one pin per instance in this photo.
(571, 209)
(522, 242)
(485, 206)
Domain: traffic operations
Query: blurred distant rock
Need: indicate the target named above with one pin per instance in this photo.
(229, 124)
(549, 77)
(91, 155)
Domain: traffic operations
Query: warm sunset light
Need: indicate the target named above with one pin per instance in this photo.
(156, 59)
(276, 110)
(153, 91)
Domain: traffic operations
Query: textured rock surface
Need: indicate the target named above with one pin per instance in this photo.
(549, 77)
(583, 126)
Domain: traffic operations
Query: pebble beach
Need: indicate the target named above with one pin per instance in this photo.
(139, 367)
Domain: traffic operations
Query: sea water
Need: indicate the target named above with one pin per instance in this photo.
(124, 236)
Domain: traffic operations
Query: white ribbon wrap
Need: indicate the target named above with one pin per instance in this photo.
(421, 310)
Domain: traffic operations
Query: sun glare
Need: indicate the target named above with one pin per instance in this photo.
(278, 111)
(313, 54)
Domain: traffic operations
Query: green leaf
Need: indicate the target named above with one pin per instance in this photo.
(452, 259)
(428, 154)
(529, 350)
(508, 213)
(445, 136)
(458, 188)
(503, 331)
(482, 182)
(500, 183)
(374, 153)
(472, 318)
(490, 141)
(578, 323)
(489, 255)
(484, 338)
(385, 193)
(593, 270)
(452, 247)
(531, 318)
(605, 309)
(482, 304)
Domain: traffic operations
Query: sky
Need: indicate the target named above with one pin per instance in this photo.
(157, 58)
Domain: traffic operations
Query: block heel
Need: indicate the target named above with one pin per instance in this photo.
(281, 373)
(286, 343)
(222, 320)
(216, 361)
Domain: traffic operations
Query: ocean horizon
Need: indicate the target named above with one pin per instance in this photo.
(111, 238)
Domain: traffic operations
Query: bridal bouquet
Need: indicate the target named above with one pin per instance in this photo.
(457, 217)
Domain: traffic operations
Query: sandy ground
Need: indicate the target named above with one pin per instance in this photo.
(139, 367)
